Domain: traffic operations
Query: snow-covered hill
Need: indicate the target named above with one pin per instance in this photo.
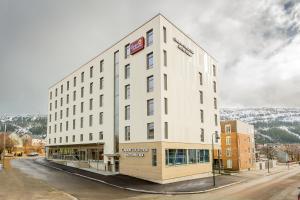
(272, 124)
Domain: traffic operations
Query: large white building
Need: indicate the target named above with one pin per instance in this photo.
(147, 107)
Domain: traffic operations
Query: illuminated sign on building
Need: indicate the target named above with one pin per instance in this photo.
(183, 48)
(137, 45)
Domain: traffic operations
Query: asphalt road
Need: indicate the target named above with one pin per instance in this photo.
(38, 182)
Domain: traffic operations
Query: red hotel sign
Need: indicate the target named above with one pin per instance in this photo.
(137, 45)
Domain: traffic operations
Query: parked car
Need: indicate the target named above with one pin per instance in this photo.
(33, 154)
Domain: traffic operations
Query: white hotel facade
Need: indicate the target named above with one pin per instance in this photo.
(145, 107)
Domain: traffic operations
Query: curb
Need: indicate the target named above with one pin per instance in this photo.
(139, 190)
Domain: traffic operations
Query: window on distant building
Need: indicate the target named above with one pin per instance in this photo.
(127, 71)
(91, 104)
(68, 85)
(101, 135)
(68, 98)
(67, 125)
(82, 92)
(201, 97)
(67, 112)
(165, 58)
(55, 92)
(101, 100)
(166, 130)
(74, 109)
(61, 89)
(101, 83)
(74, 125)
(127, 91)
(127, 133)
(215, 103)
(215, 86)
(214, 70)
(74, 81)
(90, 136)
(150, 130)
(101, 66)
(150, 37)
(166, 105)
(127, 50)
(67, 139)
(216, 119)
(165, 82)
(91, 71)
(74, 95)
(201, 116)
(73, 138)
(150, 84)
(200, 78)
(81, 137)
(165, 34)
(81, 122)
(150, 107)
(228, 129)
(91, 120)
(101, 118)
(202, 135)
(127, 112)
(82, 77)
(150, 60)
(91, 88)
(154, 157)
(50, 95)
(228, 140)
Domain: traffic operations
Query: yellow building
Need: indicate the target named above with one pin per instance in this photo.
(238, 147)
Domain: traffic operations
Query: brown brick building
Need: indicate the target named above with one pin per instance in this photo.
(237, 143)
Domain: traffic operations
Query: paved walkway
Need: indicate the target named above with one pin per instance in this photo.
(135, 184)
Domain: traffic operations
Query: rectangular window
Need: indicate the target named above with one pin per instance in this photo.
(229, 164)
(73, 138)
(55, 128)
(166, 105)
(201, 97)
(82, 77)
(228, 152)
(91, 88)
(91, 71)
(68, 85)
(81, 137)
(55, 92)
(74, 125)
(150, 60)
(215, 103)
(91, 120)
(214, 70)
(202, 135)
(215, 86)
(216, 136)
(101, 83)
(67, 125)
(127, 71)
(127, 50)
(175, 156)
(127, 91)
(90, 136)
(54, 140)
(101, 66)
(101, 100)
(50, 95)
(127, 133)
(192, 156)
(127, 112)
(150, 84)
(74, 95)
(216, 119)
(101, 135)
(74, 109)
(101, 118)
(150, 131)
(68, 98)
(149, 37)
(61, 101)
(49, 141)
(200, 78)
(60, 127)
(60, 139)
(165, 82)
(150, 107)
(81, 122)
(61, 114)
(154, 157)
(91, 104)
(61, 89)
(67, 139)
(165, 34)
(166, 130)
(201, 116)
(228, 140)
(165, 58)
(82, 92)
(50, 118)
(228, 129)
(67, 112)
(55, 104)
(74, 81)
(55, 116)
(49, 129)
(50, 106)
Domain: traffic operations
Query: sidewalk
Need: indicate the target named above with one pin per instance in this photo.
(139, 185)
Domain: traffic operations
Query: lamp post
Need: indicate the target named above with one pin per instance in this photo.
(4, 144)
(212, 146)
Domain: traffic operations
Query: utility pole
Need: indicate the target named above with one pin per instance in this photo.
(4, 144)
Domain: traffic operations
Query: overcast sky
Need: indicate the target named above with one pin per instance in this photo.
(256, 42)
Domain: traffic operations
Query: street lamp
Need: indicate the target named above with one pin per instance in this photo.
(212, 145)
